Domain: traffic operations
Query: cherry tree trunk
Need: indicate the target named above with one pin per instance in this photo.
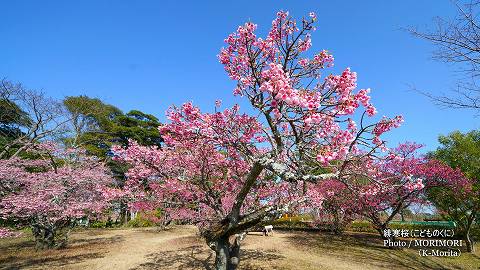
(47, 237)
(337, 224)
(468, 241)
(44, 237)
(227, 255)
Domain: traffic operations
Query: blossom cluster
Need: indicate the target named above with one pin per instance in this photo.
(273, 75)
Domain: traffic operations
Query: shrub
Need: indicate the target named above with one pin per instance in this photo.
(98, 224)
(141, 220)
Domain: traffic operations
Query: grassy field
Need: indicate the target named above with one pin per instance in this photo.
(181, 248)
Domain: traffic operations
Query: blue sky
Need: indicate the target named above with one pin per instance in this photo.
(149, 55)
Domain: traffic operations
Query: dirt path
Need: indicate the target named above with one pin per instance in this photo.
(117, 249)
(134, 247)
(181, 248)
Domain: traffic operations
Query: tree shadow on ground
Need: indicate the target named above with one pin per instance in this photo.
(96, 241)
(22, 255)
(14, 263)
(195, 257)
(363, 249)
(200, 257)
(249, 259)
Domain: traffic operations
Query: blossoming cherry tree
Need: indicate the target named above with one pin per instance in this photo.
(227, 171)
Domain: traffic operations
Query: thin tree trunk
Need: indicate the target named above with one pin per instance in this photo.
(337, 223)
(124, 213)
(469, 243)
(468, 240)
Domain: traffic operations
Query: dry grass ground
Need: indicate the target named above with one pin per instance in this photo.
(180, 248)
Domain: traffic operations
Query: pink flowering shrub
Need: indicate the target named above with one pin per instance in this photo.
(50, 193)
